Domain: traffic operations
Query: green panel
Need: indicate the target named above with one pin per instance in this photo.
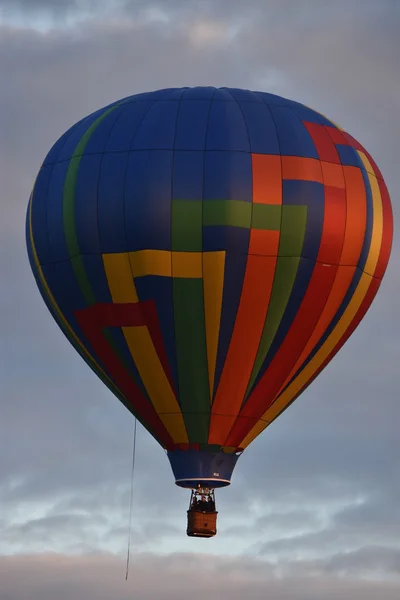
(266, 216)
(187, 216)
(227, 212)
(191, 351)
(80, 273)
(285, 275)
(69, 209)
(293, 229)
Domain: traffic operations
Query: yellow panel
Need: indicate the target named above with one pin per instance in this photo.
(119, 277)
(174, 424)
(151, 262)
(377, 229)
(307, 373)
(213, 278)
(154, 379)
(187, 264)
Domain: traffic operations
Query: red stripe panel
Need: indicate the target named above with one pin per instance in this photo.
(387, 233)
(92, 320)
(303, 325)
(323, 142)
(337, 136)
(334, 227)
(136, 315)
(366, 303)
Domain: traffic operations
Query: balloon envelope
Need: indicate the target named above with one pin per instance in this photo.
(207, 252)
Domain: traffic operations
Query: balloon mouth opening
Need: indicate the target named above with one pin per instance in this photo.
(194, 484)
(195, 469)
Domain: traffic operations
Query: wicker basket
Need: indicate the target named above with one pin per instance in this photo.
(202, 524)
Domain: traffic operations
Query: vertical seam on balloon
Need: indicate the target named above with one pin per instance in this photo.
(171, 255)
(252, 387)
(124, 185)
(128, 155)
(248, 249)
(202, 255)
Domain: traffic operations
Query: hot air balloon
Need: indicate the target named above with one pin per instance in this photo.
(208, 251)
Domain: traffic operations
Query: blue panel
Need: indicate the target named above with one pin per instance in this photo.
(349, 156)
(261, 128)
(148, 200)
(156, 95)
(307, 114)
(96, 275)
(123, 132)
(64, 287)
(39, 214)
(157, 129)
(228, 176)
(226, 128)
(160, 290)
(207, 469)
(310, 194)
(62, 283)
(99, 137)
(86, 203)
(191, 127)
(244, 95)
(235, 267)
(199, 93)
(58, 245)
(294, 139)
(111, 203)
(223, 95)
(175, 94)
(369, 224)
(188, 175)
(75, 137)
(53, 155)
(300, 286)
(273, 99)
(234, 240)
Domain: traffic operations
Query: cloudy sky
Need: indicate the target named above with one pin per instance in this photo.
(313, 512)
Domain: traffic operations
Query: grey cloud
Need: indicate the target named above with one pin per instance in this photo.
(101, 577)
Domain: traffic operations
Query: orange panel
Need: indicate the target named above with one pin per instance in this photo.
(304, 169)
(264, 242)
(245, 339)
(333, 175)
(356, 216)
(267, 179)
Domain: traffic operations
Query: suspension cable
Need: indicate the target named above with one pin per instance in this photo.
(131, 501)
